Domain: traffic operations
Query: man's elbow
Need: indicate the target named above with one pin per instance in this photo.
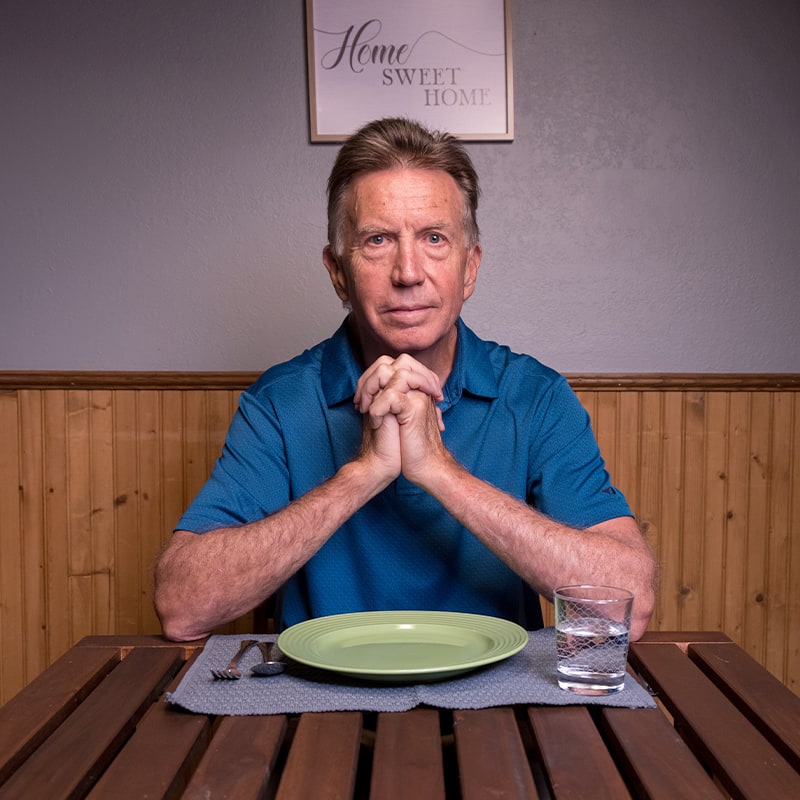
(179, 630)
(172, 605)
(644, 601)
(176, 624)
(643, 606)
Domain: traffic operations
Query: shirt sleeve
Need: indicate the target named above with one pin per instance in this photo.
(250, 478)
(568, 479)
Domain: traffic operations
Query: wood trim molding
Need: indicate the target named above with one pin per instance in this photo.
(126, 380)
(660, 382)
(688, 382)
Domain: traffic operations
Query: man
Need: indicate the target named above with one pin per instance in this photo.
(403, 463)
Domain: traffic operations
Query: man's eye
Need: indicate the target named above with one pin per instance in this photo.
(376, 238)
(435, 238)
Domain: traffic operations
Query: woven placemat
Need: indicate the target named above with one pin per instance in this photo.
(529, 677)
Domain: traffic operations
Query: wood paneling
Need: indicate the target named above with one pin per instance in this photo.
(714, 481)
(96, 468)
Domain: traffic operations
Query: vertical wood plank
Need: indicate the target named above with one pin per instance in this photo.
(791, 675)
(174, 492)
(80, 601)
(778, 555)
(101, 431)
(11, 564)
(217, 421)
(57, 550)
(605, 423)
(33, 531)
(671, 539)
(738, 472)
(589, 401)
(628, 465)
(715, 498)
(126, 509)
(79, 496)
(692, 480)
(650, 482)
(755, 624)
(150, 495)
(195, 440)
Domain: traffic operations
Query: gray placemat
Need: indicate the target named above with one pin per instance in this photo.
(529, 677)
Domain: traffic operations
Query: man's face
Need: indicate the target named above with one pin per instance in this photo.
(406, 270)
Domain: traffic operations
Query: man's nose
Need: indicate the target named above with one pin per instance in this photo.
(408, 266)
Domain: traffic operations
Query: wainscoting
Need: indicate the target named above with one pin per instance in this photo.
(96, 468)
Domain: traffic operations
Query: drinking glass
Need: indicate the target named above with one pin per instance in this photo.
(592, 631)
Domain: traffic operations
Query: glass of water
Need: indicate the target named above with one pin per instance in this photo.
(593, 626)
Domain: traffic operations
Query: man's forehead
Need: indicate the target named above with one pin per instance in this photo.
(403, 190)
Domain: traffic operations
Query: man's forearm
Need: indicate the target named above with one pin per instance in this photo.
(206, 580)
(543, 552)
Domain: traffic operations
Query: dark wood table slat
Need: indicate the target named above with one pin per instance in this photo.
(770, 705)
(734, 751)
(684, 638)
(656, 762)
(407, 760)
(169, 743)
(59, 769)
(239, 760)
(492, 761)
(323, 760)
(576, 761)
(31, 716)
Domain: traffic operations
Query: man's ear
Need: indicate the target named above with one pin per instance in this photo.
(471, 270)
(337, 273)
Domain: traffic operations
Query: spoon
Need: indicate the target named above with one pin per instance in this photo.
(269, 666)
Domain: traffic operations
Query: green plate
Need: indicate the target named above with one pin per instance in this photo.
(407, 646)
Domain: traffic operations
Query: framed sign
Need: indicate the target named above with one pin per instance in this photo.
(444, 63)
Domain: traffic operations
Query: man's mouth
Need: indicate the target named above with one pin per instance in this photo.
(408, 315)
(412, 309)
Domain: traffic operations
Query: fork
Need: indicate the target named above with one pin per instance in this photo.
(231, 672)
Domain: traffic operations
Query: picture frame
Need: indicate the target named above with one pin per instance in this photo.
(445, 63)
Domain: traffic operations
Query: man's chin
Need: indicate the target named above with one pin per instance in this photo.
(394, 339)
(411, 340)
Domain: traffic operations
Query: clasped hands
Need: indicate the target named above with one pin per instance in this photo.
(402, 423)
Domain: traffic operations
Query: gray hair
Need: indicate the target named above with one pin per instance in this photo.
(398, 142)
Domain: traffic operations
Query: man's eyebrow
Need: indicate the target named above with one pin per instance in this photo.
(438, 226)
(365, 229)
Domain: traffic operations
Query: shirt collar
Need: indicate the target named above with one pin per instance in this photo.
(340, 370)
(472, 369)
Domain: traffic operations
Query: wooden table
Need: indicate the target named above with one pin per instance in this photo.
(94, 724)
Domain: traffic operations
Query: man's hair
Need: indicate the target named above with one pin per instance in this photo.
(399, 143)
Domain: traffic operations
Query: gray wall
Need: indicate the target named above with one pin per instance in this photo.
(161, 207)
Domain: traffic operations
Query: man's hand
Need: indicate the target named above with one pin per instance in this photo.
(398, 398)
(401, 374)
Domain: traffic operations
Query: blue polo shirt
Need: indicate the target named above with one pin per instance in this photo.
(508, 419)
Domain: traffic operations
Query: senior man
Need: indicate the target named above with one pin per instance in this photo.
(404, 463)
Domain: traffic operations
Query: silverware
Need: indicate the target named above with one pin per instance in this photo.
(231, 672)
(272, 664)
